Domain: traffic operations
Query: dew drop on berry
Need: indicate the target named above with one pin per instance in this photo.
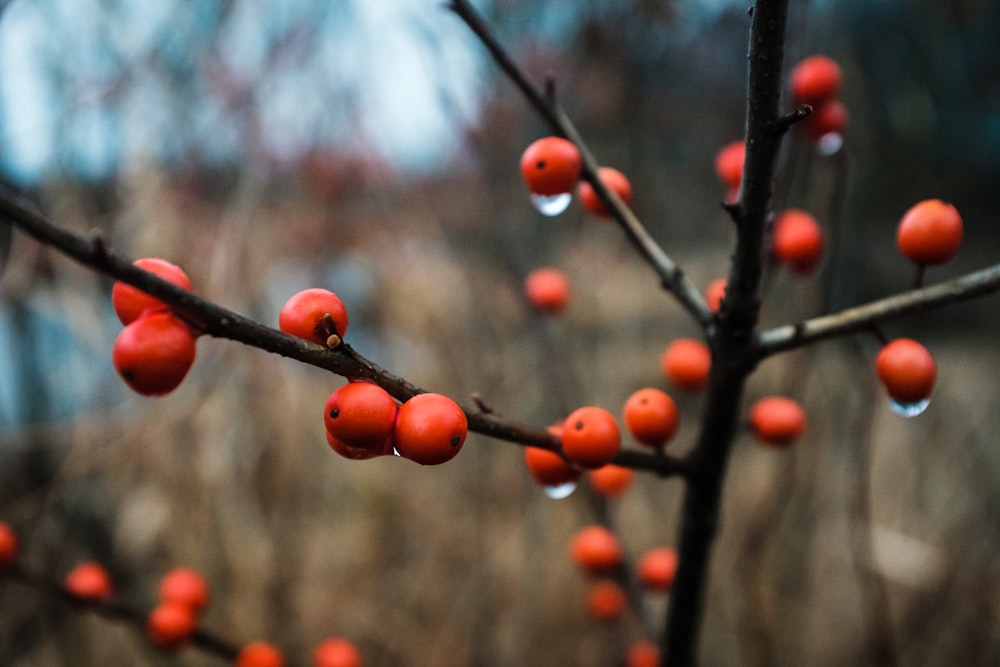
(551, 205)
(909, 409)
(560, 491)
(829, 144)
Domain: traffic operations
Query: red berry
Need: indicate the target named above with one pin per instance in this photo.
(686, 363)
(606, 600)
(797, 241)
(611, 481)
(657, 568)
(8, 546)
(551, 166)
(303, 315)
(336, 652)
(430, 429)
(651, 416)
(590, 437)
(729, 164)
(830, 117)
(358, 453)
(361, 415)
(596, 550)
(170, 625)
(185, 586)
(548, 468)
(89, 582)
(259, 654)
(815, 80)
(642, 654)
(131, 302)
(907, 370)
(613, 180)
(547, 289)
(777, 421)
(154, 353)
(715, 292)
(930, 232)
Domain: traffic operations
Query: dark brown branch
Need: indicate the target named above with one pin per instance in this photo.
(864, 317)
(220, 322)
(671, 276)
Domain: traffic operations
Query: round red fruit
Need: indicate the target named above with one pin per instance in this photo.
(657, 568)
(596, 550)
(907, 370)
(551, 166)
(651, 416)
(170, 625)
(336, 652)
(185, 586)
(8, 546)
(614, 180)
(729, 164)
(154, 353)
(89, 582)
(829, 117)
(590, 437)
(797, 241)
(548, 468)
(361, 415)
(777, 421)
(606, 600)
(686, 363)
(358, 453)
(548, 290)
(815, 79)
(259, 654)
(430, 429)
(303, 315)
(131, 302)
(611, 481)
(642, 654)
(930, 232)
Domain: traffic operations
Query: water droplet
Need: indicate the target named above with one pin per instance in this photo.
(829, 144)
(560, 491)
(395, 452)
(909, 409)
(551, 205)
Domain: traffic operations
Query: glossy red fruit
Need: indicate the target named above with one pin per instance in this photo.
(777, 421)
(186, 586)
(154, 353)
(687, 363)
(303, 315)
(358, 453)
(590, 437)
(729, 164)
(715, 292)
(613, 180)
(815, 79)
(657, 568)
(337, 652)
(551, 166)
(606, 600)
(596, 550)
(170, 625)
(642, 653)
(548, 290)
(131, 302)
(259, 654)
(611, 481)
(907, 370)
(651, 416)
(830, 117)
(797, 241)
(430, 429)
(89, 582)
(361, 415)
(930, 232)
(548, 468)
(8, 547)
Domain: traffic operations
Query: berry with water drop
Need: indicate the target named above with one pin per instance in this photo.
(548, 468)
(907, 370)
(551, 166)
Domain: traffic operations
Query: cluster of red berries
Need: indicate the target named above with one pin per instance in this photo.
(551, 167)
(817, 81)
(597, 551)
(183, 597)
(156, 349)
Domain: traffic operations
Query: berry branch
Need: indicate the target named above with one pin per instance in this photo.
(213, 319)
(670, 274)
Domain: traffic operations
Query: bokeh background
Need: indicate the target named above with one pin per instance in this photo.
(371, 148)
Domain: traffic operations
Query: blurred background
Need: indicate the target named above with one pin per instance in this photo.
(372, 148)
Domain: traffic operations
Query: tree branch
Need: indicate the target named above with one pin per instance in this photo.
(672, 278)
(866, 316)
(220, 322)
